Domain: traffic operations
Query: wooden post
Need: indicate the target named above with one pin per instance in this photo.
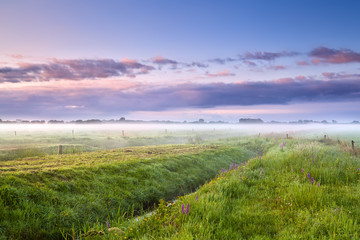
(60, 149)
(352, 145)
(15, 133)
(73, 132)
(287, 136)
(123, 133)
(165, 131)
(324, 137)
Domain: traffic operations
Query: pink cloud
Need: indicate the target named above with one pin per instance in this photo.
(302, 63)
(16, 56)
(277, 67)
(224, 73)
(328, 75)
(335, 56)
(300, 77)
(161, 60)
(283, 80)
(316, 61)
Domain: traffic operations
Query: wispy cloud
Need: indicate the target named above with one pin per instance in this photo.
(163, 61)
(223, 60)
(267, 56)
(341, 76)
(249, 63)
(335, 56)
(277, 67)
(196, 64)
(224, 73)
(77, 69)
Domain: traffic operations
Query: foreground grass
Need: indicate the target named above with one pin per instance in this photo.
(52, 197)
(299, 190)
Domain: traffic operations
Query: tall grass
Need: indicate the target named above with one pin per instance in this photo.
(302, 190)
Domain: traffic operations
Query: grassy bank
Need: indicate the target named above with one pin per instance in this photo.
(299, 190)
(45, 197)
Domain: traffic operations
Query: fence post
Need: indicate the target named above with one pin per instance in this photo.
(60, 149)
(287, 136)
(123, 133)
(352, 145)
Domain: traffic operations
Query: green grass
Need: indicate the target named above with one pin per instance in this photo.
(269, 198)
(49, 197)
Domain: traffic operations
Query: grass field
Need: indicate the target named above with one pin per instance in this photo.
(42, 195)
(303, 190)
(262, 187)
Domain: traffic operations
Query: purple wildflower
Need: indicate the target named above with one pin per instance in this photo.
(107, 223)
(234, 164)
(312, 180)
(313, 158)
(308, 175)
(197, 198)
(223, 170)
(318, 184)
(302, 170)
(259, 157)
(182, 208)
(187, 208)
(229, 167)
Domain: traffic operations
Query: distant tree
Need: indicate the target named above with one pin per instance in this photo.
(55, 121)
(93, 121)
(122, 119)
(201, 120)
(334, 121)
(250, 120)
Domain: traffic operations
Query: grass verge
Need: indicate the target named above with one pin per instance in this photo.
(52, 197)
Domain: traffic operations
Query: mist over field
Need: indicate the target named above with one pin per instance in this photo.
(151, 128)
(108, 136)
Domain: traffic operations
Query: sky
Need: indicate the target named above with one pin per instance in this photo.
(180, 60)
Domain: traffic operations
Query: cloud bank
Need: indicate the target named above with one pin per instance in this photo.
(142, 97)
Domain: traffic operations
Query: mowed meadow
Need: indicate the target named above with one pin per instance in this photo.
(179, 181)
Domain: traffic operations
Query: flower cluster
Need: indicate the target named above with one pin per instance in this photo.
(311, 179)
(185, 211)
(234, 165)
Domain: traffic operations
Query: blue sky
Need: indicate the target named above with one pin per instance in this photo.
(180, 60)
